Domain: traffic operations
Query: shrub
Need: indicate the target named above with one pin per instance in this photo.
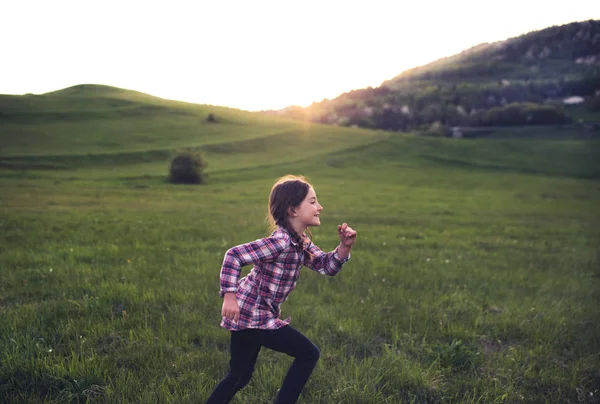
(211, 118)
(186, 168)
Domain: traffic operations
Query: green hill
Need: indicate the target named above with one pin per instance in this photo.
(107, 133)
(520, 81)
(86, 125)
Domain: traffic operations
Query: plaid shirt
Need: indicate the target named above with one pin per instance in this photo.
(277, 262)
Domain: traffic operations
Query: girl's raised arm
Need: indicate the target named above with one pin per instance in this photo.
(324, 263)
(331, 263)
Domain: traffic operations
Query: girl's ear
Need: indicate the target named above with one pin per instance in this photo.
(291, 211)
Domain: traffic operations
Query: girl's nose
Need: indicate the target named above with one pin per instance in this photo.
(320, 208)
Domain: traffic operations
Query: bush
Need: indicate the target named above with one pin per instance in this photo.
(186, 168)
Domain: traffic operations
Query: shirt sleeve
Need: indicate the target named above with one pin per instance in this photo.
(261, 250)
(324, 263)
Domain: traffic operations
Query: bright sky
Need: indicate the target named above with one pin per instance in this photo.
(250, 54)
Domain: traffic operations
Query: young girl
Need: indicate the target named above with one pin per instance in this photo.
(251, 305)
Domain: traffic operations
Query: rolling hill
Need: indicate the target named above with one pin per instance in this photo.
(86, 125)
(106, 133)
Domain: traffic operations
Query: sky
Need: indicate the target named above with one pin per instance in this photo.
(250, 54)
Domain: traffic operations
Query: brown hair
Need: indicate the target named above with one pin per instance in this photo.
(288, 192)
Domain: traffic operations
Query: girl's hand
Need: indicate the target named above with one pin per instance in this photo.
(347, 235)
(230, 309)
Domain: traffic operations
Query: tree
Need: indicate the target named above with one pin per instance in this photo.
(186, 168)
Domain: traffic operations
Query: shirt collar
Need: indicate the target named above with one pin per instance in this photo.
(292, 240)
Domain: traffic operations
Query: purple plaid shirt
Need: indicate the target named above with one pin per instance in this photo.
(277, 262)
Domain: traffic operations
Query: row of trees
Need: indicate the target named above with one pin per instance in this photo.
(499, 103)
(451, 115)
(521, 114)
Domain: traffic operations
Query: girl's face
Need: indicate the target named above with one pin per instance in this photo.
(307, 213)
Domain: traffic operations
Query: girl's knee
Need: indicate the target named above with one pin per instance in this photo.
(314, 354)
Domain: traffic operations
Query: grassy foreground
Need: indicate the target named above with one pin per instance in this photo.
(474, 279)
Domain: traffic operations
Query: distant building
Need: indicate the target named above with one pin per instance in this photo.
(456, 132)
(574, 100)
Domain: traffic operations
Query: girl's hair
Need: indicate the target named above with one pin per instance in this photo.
(287, 192)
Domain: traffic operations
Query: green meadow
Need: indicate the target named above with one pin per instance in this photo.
(474, 278)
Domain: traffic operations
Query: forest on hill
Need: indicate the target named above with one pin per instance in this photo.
(544, 77)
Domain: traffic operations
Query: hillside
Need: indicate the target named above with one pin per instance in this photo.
(520, 81)
(97, 119)
(87, 125)
(106, 133)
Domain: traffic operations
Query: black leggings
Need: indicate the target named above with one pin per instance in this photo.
(245, 346)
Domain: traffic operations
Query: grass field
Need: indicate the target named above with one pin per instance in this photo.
(474, 278)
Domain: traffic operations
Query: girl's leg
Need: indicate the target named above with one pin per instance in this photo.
(306, 354)
(244, 347)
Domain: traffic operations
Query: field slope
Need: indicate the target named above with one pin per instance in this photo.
(85, 125)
